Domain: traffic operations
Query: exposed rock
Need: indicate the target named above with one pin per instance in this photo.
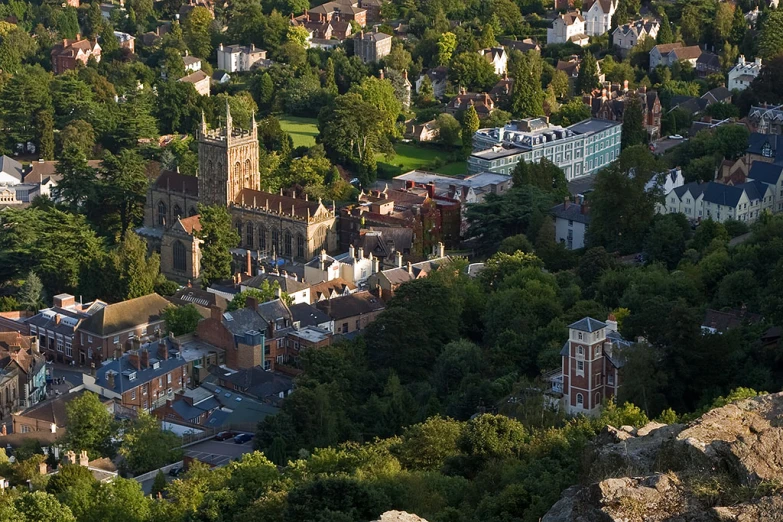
(712, 470)
(399, 516)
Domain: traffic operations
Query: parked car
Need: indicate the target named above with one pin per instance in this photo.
(176, 472)
(243, 437)
(675, 137)
(225, 435)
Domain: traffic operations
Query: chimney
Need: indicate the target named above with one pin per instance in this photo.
(360, 253)
(133, 359)
(410, 269)
(625, 85)
(4, 431)
(351, 252)
(220, 47)
(84, 460)
(144, 359)
(251, 303)
(611, 323)
(441, 250)
(186, 52)
(215, 313)
(249, 268)
(110, 379)
(431, 189)
(43, 469)
(78, 37)
(381, 74)
(399, 259)
(608, 348)
(163, 351)
(585, 208)
(34, 345)
(566, 202)
(376, 265)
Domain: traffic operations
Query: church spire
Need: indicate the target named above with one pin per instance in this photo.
(203, 124)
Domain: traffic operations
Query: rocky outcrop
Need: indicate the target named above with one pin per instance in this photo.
(399, 516)
(726, 466)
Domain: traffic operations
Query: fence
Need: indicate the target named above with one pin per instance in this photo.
(151, 474)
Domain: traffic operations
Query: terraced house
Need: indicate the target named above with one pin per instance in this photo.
(580, 150)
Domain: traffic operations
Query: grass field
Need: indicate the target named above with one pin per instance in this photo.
(410, 157)
(302, 130)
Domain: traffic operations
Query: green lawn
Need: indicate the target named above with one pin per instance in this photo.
(410, 157)
(302, 130)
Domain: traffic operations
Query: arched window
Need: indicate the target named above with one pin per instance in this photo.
(249, 235)
(162, 214)
(300, 250)
(239, 230)
(579, 400)
(248, 175)
(262, 238)
(288, 244)
(209, 167)
(237, 173)
(177, 211)
(276, 241)
(178, 254)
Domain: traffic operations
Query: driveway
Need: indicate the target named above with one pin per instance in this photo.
(218, 452)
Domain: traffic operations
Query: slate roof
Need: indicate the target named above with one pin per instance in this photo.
(718, 95)
(769, 173)
(274, 310)
(756, 143)
(123, 369)
(198, 297)
(378, 37)
(307, 315)
(688, 53)
(11, 166)
(667, 48)
(528, 44)
(177, 182)
(588, 324)
(287, 284)
(325, 288)
(398, 276)
(709, 60)
(190, 60)
(256, 381)
(244, 320)
(40, 170)
(696, 189)
(352, 305)
(573, 213)
(721, 194)
(128, 314)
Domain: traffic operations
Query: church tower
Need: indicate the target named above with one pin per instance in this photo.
(228, 161)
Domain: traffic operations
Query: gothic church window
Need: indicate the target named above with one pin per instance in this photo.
(276, 241)
(249, 235)
(177, 211)
(192, 211)
(178, 254)
(320, 239)
(288, 245)
(300, 250)
(239, 230)
(248, 175)
(262, 238)
(161, 214)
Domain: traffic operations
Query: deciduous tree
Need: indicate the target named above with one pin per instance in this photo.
(218, 236)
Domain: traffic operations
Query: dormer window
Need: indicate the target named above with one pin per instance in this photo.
(579, 336)
(132, 376)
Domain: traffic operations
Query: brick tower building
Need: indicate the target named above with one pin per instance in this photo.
(591, 363)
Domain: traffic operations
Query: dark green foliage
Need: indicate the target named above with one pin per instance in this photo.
(588, 74)
(219, 236)
(633, 123)
(181, 319)
(544, 175)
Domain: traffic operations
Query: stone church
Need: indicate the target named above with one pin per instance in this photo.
(270, 225)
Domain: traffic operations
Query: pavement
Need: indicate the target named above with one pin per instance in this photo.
(218, 452)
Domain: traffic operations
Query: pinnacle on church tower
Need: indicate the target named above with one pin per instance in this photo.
(229, 121)
(203, 127)
(253, 125)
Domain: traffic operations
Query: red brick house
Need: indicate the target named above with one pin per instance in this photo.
(66, 54)
(592, 360)
(108, 331)
(608, 103)
(143, 378)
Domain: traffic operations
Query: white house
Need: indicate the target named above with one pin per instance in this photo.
(598, 19)
(192, 63)
(351, 266)
(297, 290)
(439, 78)
(572, 220)
(498, 57)
(200, 81)
(239, 58)
(11, 172)
(629, 35)
(742, 74)
(719, 202)
(568, 27)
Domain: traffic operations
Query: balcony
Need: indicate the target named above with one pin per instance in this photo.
(555, 380)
